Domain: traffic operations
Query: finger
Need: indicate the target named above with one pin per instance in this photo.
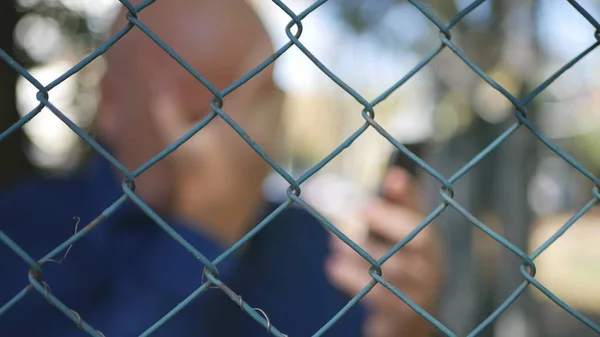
(342, 251)
(394, 223)
(351, 276)
(338, 246)
(348, 275)
(401, 188)
(406, 271)
(374, 248)
(401, 272)
(402, 268)
(421, 292)
(406, 258)
(419, 270)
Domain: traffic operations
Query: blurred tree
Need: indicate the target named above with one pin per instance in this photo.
(14, 163)
(39, 33)
(499, 182)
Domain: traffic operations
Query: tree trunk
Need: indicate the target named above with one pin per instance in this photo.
(13, 161)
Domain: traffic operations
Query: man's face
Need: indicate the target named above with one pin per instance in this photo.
(134, 137)
(127, 125)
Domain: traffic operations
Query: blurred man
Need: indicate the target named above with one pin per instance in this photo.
(127, 273)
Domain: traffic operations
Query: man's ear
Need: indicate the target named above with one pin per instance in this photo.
(273, 100)
(267, 120)
(276, 106)
(106, 117)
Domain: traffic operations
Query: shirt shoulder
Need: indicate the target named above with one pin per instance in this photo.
(284, 275)
(53, 206)
(38, 214)
(48, 196)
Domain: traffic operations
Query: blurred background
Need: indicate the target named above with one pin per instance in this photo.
(522, 190)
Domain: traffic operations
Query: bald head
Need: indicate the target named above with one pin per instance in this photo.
(222, 40)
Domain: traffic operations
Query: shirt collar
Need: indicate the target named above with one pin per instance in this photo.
(105, 189)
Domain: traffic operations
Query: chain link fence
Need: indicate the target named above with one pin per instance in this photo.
(294, 192)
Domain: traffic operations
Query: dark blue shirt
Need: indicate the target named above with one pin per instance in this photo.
(127, 273)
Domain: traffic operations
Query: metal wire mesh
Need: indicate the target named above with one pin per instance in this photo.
(218, 110)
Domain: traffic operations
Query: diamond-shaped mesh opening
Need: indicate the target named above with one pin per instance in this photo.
(447, 22)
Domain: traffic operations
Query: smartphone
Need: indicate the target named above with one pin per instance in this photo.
(401, 160)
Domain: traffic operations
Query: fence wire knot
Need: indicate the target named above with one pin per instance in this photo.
(294, 30)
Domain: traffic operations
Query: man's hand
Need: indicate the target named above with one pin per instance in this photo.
(416, 269)
(218, 177)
